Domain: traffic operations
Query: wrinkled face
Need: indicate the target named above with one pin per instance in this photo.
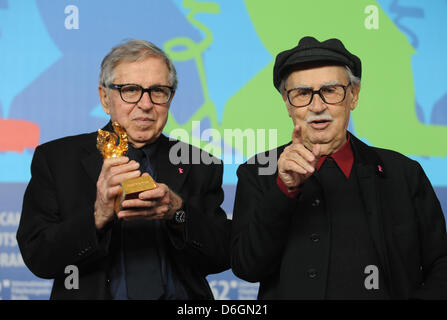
(143, 121)
(322, 123)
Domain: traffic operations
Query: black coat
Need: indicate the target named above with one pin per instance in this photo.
(57, 226)
(404, 217)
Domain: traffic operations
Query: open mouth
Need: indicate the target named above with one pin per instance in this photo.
(319, 124)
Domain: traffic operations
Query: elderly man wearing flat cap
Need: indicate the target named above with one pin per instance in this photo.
(338, 219)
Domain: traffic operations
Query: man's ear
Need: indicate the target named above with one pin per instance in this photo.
(355, 96)
(103, 97)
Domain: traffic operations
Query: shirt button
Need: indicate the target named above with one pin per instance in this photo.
(312, 273)
(316, 203)
(315, 237)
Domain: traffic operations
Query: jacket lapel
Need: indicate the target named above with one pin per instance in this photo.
(92, 160)
(173, 175)
(370, 171)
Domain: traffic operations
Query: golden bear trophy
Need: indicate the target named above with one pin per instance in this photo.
(115, 144)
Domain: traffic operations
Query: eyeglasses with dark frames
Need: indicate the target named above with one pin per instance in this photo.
(132, 93)
(330, 94)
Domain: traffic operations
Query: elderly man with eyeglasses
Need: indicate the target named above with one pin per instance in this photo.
(339, 219)
(158, 245)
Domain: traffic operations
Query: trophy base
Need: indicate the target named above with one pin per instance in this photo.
(130, 189)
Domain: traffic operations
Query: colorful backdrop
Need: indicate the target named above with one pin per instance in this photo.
(224, 50)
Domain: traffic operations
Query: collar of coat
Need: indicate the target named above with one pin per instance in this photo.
(168, 173)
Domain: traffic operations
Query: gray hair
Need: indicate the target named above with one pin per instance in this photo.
(355, 81)
(133, 50)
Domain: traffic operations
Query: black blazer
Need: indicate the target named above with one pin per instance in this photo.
(57, 224)
(405, 221)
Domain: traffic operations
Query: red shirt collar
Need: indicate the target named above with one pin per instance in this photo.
(343, 157)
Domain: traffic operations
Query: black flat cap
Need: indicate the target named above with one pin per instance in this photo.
(309, 50)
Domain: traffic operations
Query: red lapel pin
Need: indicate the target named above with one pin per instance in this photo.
(180, 170)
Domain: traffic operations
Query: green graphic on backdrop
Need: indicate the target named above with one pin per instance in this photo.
(193, 50)
(386, 115)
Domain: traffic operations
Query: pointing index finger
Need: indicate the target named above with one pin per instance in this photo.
(296, 135)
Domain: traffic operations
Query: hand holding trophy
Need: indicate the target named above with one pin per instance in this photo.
(115, 144)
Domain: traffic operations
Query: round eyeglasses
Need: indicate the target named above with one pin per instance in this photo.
(132, 93)
(330, 94)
